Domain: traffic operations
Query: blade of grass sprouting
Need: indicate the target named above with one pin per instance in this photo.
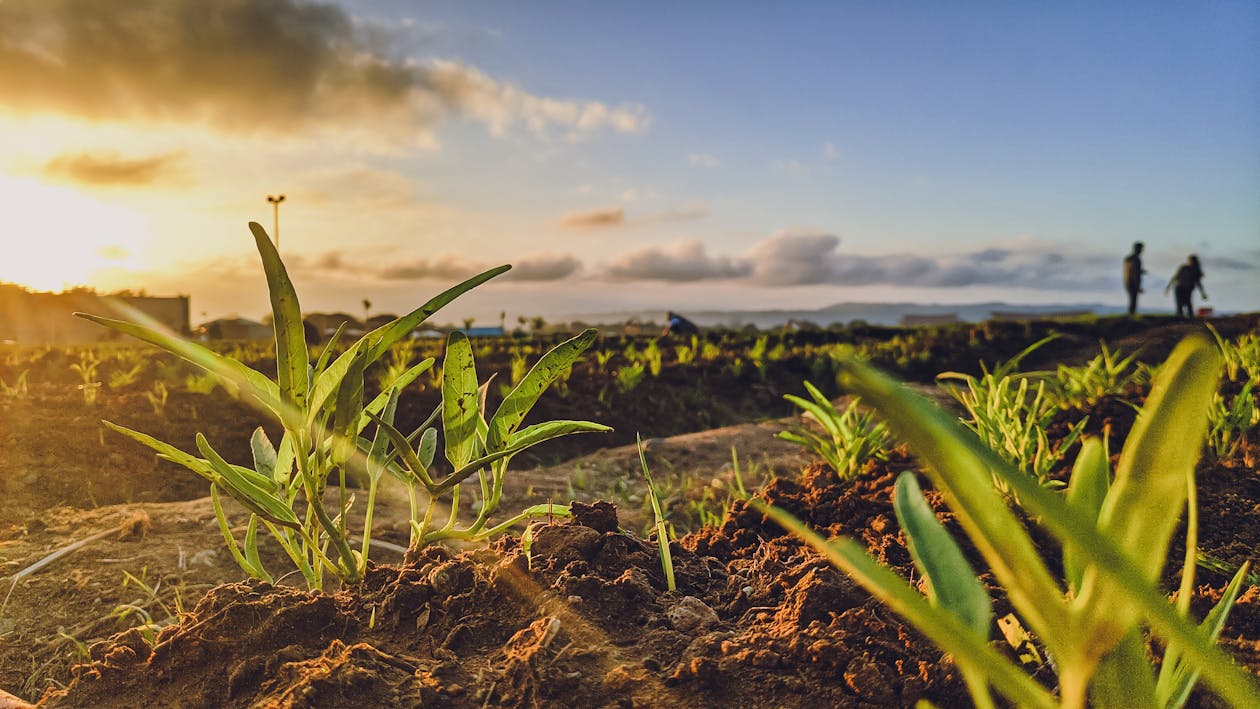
(1173, 688)
(1087, 488)
(378, 341)
(460, 400)
(292, 358)
(524, 395)
(953, 583)
(252, 383)
(1070, 527)
(940, 626)
(961, 469)
(1147, 497)
(662, 535)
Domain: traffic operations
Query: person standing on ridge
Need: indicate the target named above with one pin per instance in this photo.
(1188, 276)
(1133, 275)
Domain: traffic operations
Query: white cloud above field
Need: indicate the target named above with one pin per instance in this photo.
(278, 67)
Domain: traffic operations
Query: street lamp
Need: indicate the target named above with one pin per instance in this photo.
(274, 201)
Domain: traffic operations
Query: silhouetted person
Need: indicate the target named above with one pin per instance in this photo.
(678, 325)
(1188, 277)
(1133, 275)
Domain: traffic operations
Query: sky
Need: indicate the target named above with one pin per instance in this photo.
(630, 155)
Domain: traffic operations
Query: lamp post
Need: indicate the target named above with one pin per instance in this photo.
(274, 201)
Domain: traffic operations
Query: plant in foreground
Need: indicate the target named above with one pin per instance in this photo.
(1115, 535)
(662, 529)
(322, 408)
(851, 439)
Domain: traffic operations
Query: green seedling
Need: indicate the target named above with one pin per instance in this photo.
(1107, 374)
(1115, 533)
(849, 439)
(473, 444)
(323, 410)
(662, 529)
(1229, 424)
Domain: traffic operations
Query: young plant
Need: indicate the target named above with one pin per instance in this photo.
(659, 524)
(1106, 374)
(1115, 535)
(322, 408)
(473, 444)
(849, 439)
(629, 377)
(157, 395)
(1229, 424)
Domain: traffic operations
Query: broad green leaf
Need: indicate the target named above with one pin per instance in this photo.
(940, 626)
(253, 384)
(460, 401)
(1123, 679)
(521, 440)
(954, 585)
(1148, 495)
(522, 398)
(428, 447)
(292, 358)
(284, 460)
(1087, 488)
(348, 410)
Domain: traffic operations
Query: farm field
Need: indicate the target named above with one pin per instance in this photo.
(153, 610)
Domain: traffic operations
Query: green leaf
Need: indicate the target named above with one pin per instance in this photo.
(1087, 488)
(1123, 678)
(1176, 678)
(1148, 495)
(523, 397)
(264, 453)
(541, 432)
(248, 487)
(292, 358)
(428, 447)
(235, 375)
(349, 409)
(460, 401)
(379, 340)
(402, 382)
(954, 585)
(168, 452)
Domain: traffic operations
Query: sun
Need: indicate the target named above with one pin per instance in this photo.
(57, 237)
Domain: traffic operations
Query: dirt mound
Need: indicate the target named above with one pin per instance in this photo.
(582, 613)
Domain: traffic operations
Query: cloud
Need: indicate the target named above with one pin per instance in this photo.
(594, 218)
(360, 187)
(258, 66)
(609, 217)
(109, 169)
(814, 258)
(449, 268)
(544, 267)
(686, 261)
(703, 160)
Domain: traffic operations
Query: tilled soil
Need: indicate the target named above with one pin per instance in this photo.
(583, 618)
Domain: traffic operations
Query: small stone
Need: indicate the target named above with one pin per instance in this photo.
(691, 614)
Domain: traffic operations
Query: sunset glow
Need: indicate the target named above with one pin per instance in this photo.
(58, 237)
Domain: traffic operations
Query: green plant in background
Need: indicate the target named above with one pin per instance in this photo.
(157, 396)
(629, 376)
(322, 409)
(1241, 355)
(850, 438)
(121, 378)
(1115, 534)
(653, 357)
(473, 444)
(202, 383)
(86, 369)
(1011, 416)
(18, 389)
(1229, 424)
(1107, 374)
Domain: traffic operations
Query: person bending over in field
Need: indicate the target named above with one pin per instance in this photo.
(678, 325)
(1188, 277)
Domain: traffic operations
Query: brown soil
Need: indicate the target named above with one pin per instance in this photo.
(583, 619)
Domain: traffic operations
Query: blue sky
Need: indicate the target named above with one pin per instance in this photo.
(653, 155)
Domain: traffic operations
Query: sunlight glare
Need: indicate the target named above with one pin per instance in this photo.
(58, 237)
